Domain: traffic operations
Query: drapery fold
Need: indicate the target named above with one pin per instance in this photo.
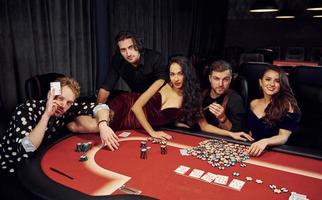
(41, 36)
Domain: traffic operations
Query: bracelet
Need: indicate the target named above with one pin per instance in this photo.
(98, 124)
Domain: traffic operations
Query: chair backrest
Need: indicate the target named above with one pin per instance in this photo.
(295, 54)
(38, 86)
(239, 84)
(306, 83)
(251, 57)
(252, 72)
(267, 53)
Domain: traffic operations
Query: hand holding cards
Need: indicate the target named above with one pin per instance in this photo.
(55, 87)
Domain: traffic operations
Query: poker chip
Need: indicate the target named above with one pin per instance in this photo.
(163, 149)
(83, 158)
(83, 146)
(163, 142)
(272, 186)
(143, 144)
(283, 189)
(235, 174)
(278, 191)
(248, 178)
(144, 154)
(258, 181)
(242, 165)
(79, 147)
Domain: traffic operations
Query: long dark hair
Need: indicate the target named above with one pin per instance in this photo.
(281, 101)
(191, 91)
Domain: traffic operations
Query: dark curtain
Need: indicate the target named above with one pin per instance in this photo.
(188, 27)
(42, 36)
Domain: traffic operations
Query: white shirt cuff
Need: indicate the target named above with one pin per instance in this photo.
(27, 145)
(100, 107)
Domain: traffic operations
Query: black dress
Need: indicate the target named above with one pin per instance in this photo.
(261, 130)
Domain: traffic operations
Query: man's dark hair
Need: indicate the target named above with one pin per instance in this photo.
(122, 35)
(220, 66)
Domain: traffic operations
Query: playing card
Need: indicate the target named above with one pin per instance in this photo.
(124, 134)
(208, 177)
(297, 196)
(221, 179)
(196, 173)
(182, 169)
(236, 184)
(55, 86)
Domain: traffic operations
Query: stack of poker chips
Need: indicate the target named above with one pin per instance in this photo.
(220, 153)
(144, 152)
(83, 158)
(163, 147)
(83, 146)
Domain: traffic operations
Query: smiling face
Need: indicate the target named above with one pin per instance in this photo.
(128, 51)
(176, 76)
(64, 101)
(219, 82)
(270, 83)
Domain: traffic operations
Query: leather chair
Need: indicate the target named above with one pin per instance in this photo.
(240, 85)
(306, 83)
(251, 57)
(38, 86)
(251, 72)
(295, 54)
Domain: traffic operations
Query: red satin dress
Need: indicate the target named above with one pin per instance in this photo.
(124, 118)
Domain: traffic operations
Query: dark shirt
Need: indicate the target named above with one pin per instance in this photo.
(138, 78)
(24, 119)
(261, 130)
(234, 111)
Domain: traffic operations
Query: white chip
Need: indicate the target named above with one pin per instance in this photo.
(248, 178)
(259, 181)
(276, 190)
(284, 189)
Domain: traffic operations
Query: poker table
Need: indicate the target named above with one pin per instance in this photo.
(56, 172)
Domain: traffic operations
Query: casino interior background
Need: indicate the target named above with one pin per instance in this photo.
(76, 38)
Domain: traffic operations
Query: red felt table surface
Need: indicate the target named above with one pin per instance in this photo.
(155, 176)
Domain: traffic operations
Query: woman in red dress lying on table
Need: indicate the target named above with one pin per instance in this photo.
(273, 117)
(179, 99)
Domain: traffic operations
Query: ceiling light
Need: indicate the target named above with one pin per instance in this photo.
(314, 5)
(285, 13)
(264, 6)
